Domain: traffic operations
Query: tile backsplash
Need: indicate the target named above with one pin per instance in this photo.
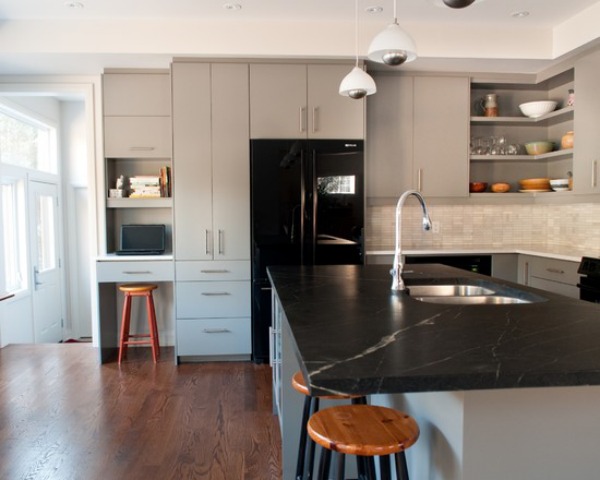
(572, 227)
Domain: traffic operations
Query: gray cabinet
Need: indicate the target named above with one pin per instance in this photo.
(212, 211)
(557, 276)
(587, 140)
(418, 136)
(302, 101)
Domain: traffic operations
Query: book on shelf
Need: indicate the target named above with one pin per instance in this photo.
(165, 181)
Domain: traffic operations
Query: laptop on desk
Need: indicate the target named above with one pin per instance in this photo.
(142, 240)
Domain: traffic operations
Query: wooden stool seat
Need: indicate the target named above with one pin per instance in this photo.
(138, 290)
(365, 431)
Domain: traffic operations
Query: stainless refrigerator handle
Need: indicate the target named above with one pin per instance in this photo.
(315, 204)
(302, 204)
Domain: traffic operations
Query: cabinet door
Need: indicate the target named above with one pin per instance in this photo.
(441, 135)
(137, 137)
(137, 94)
(331, 115)
(231, 161)
(390, 146)
(587, 115)
(278, 101)
(192, 171)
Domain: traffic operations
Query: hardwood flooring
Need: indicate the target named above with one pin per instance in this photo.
(63, 416)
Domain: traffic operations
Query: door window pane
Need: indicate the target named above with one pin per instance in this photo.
(13, 233)
(46, 234)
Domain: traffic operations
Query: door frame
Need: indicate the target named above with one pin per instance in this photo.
(87, 88)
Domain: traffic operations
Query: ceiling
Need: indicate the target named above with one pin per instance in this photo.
(85, 36)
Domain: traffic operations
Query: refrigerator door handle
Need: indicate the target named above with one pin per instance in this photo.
(302, 204)
(315, 204)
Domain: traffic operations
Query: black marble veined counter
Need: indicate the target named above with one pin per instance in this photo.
(352, 334)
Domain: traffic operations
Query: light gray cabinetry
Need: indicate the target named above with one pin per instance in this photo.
(418, 136)
(557, 276)
(587, 140)
(137, 114)
(441, 135)
(212, 225)
(302, 101)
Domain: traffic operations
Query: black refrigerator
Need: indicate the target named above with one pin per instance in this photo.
(307, 200)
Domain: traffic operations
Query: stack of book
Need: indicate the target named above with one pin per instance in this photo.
(151, 186)
(144, 186)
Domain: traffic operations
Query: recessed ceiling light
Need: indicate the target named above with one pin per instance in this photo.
(374, 9)
(232, 6)
(72, 4)
(521, 14)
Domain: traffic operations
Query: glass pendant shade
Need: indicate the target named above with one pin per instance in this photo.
(357, 84)
(393, 46)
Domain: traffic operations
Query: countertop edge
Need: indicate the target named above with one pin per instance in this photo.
(481, 251)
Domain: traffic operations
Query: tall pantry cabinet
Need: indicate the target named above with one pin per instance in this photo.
(212, 212)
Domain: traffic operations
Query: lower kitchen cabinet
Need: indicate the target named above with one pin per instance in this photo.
(212, 305)
(557, 276)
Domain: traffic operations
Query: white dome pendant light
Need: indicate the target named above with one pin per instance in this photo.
(393, 46)
(358, 83)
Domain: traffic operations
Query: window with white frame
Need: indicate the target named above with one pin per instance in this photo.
(27, 142)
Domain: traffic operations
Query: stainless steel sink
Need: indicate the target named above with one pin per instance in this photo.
(448, 290)
(474, 300)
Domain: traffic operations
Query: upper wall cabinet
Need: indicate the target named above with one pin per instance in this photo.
(418, 136)
(587, 117)
(137, 115)
(497, 143)
(302, 101)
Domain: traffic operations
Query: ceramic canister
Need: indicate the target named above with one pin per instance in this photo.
(567, 140)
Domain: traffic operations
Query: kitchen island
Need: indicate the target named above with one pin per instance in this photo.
(499, 391)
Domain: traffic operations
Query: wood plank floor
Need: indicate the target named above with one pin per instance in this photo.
(63, 416)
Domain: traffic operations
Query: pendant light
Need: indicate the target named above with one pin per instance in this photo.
(358, 83)
(458, 3)
(393, 46)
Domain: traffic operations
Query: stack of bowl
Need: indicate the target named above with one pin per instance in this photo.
(534, 185)
(560, 184)
(537, 109)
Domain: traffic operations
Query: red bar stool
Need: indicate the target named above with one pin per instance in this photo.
(365, 431)
(311, 405)
(138, 290)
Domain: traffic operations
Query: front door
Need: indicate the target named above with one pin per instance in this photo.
(45, 263)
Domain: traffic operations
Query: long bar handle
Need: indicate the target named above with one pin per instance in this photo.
(302, 119)
(221, 242)
(595, 173)
(141, 149)
(315, 119)
(216, 294)
(216, 330)
(214, 271)
(555, 270)
(137, 272)
(207, 240)
(420, 179)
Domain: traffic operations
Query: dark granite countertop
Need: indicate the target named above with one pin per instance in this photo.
(353, 334)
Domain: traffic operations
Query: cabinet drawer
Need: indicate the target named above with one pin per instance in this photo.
(144, 94)
(150, 271)
(213, 299)
(214, 336)
(234, 270)
(137, 137)
(555, 270)
(554, 287)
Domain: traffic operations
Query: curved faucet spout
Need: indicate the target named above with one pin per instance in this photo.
(396, 272)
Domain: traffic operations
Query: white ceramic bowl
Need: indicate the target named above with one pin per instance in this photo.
(559, 184)
(537, 109)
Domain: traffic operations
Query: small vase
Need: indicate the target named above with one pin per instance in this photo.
(567, 140)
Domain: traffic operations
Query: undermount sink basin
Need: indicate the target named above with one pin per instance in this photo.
(474, 300)
(480, 293)
(448, 290)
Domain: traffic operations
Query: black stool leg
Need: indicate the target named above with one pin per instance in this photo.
(312, 444)
(324, 464)
(341, 467)
(401, 467)
(303, 435)
(384, 467)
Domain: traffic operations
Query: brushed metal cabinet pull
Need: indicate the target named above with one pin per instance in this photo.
(214, 271)
(594, 173)
(221, 242)
(216, 330)
(555, 270)
(141, 149)
(216, 294)
(137, 272)
(302, 119)
(420, 179)
(207, 240)
(315, 119)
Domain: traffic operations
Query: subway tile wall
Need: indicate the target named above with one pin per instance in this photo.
(569, 227)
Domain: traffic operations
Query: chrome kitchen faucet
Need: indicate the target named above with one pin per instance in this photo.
(396, 271)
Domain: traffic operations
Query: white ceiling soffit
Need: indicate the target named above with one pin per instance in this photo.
(44, 36)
